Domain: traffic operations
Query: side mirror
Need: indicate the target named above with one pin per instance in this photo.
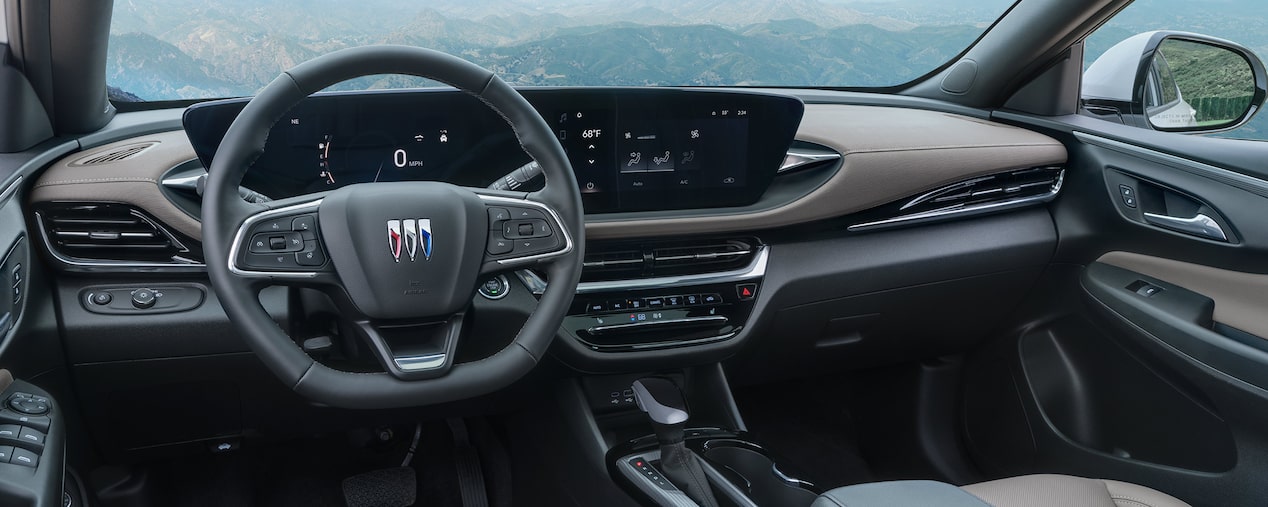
(1176, 81)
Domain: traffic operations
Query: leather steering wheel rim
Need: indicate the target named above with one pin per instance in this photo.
(224, 212)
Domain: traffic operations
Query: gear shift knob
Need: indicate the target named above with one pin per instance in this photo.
(661, 399)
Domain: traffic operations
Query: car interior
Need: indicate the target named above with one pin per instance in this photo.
(1012, 281)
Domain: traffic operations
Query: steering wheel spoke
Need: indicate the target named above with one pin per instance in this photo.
(413, 350)
(522, 232)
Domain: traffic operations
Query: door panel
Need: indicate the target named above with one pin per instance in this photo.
(1143, 354)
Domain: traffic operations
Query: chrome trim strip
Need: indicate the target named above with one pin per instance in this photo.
(419, 363)
(10, 190)
(653, 324)
(755, 269)
(961, 211)
(657, 345)
(1232, 178)
(239, 238)
(797, 158)
(563, 229)
(1199, 225)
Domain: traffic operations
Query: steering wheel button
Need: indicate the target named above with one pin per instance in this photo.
(277, 243)
(497, 216)
(527, 214)
(304, 223)
(525, 229)
(310, 256)
(499, 245)
(274, 226)
(10, 431)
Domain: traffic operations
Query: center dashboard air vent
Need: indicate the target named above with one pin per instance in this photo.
(666, 258)
(109, 233)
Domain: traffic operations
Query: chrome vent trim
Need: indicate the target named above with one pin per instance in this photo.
(116, 155)
(978, 196)
(109, 235)
(627, 261)
(804, 157)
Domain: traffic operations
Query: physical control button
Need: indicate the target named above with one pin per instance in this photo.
(29, 406)
(534, 245)
(143, 299)
(746, 291)
(691, 299)
(272, 226)
(673, 301)
(9, 431)
(39, 422)
(710, 299)
(311, 256)
(17, 274)
(31, 436)
(617, 305)
(304, 223)
(102, 298)
(1128, 194)
(526, 214)
(596, 307)
(497, 216)
(277, 242)
(24, 458)
(495, 288)
(636, 304)
(499, 245)
(6, 453)
(272, 261)
(654, 303)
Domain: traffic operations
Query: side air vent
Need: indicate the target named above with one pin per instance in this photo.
(116, 155)
(986, 194)
(108, 233)
(627, 261)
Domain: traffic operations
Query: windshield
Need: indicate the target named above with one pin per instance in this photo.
(190, 49)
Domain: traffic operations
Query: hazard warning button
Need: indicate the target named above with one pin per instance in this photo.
(746, 291)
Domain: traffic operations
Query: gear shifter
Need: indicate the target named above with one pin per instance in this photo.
(665, 406)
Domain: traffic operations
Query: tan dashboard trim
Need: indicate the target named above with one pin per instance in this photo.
(1239, 297)
(887, 154)
(132, 181)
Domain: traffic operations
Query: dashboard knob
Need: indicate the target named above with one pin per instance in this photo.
(143, 298)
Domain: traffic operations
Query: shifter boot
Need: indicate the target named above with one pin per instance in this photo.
(682, 468)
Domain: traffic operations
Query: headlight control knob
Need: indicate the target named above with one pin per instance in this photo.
(143, 298)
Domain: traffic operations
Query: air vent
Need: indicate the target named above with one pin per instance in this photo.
(986, 194)
(628, 261)
(111, 233)
(116, 155)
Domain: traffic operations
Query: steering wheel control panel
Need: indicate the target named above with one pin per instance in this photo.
(13, 278)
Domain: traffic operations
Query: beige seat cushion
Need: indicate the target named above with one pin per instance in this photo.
(1067, 491)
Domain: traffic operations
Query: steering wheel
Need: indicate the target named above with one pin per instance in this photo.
(402, 260)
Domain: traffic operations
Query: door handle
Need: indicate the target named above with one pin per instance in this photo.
(1199, 225)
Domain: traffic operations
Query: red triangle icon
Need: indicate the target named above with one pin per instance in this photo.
(745, 292)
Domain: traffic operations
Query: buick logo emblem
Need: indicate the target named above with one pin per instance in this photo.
(407, 236)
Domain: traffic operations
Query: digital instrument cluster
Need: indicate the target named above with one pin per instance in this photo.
(631, 149)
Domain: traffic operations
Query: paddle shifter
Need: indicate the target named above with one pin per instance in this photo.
(665, 406)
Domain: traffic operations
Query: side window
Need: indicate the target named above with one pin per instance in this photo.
(1199, 76)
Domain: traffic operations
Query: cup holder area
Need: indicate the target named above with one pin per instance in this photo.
(754, 472)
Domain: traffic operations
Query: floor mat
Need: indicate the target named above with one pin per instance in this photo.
(307, 472)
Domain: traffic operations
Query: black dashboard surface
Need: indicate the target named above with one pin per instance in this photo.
(631, 149)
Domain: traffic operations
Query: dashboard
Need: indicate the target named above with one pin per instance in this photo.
(631, 150)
